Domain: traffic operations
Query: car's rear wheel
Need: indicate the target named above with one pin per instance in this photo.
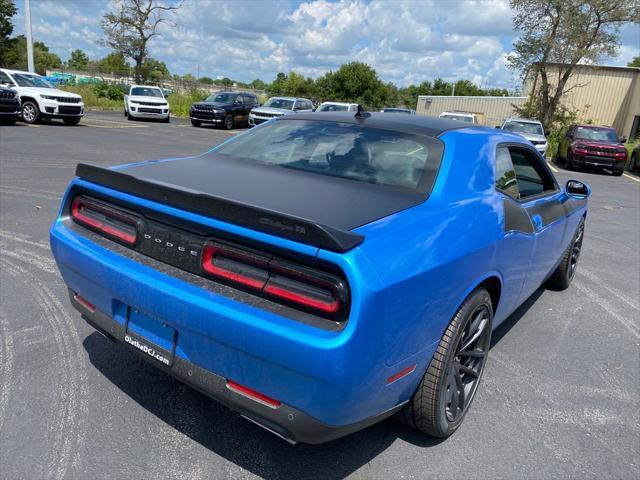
(30, 112)
(561, 278)
(228, 122)
(71, 121)
(450, 383)
(196, 123)
(618, 172)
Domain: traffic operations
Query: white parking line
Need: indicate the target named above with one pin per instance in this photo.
(631, 177)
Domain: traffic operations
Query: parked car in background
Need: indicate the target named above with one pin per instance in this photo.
(227, 109)
(9, 106)
(532, 130)
(408, 111)
(469, 117)
(337, 107)
(146, 101)
(303, 273)
(592, 146)
(40, 100)
(279, 106)
(634, 162)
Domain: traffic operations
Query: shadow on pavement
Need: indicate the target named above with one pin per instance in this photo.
(226, 434)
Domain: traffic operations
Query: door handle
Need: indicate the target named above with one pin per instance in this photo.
(537, 222)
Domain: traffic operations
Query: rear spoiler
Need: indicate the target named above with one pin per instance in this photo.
(274, 223)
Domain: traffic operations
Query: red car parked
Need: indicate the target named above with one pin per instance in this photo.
(588, 145)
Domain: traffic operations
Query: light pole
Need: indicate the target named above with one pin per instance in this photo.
(27, 27)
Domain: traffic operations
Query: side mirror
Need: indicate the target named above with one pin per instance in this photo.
(577, 189)
(623, 139)
(499, 127)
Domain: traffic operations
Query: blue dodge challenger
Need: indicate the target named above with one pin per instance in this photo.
(322, 271)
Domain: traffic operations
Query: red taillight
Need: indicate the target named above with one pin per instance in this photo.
(253, 395)
(106, 220)
(234, 265)
(301, 287)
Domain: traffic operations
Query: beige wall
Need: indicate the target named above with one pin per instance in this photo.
(604, 95)
(495, 109)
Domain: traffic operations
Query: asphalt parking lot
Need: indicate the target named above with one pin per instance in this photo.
(560, 396)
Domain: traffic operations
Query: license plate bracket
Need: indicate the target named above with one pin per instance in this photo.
(151, 337)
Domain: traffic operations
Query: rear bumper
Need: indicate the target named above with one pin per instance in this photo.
(285, 421)
(338, 378)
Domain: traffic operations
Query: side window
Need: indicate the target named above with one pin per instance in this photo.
(249, 100)
(238, 99)
(533, 178)
(506, 174)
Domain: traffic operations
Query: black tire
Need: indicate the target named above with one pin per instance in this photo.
(130, 117)
(30, 112)
(633, 164)
(228, 122)
(618, 172)
(168, 119)
(8, 121)
(71, 121)
(126, 114)
(561, 278)
(196, 123)
(435, 408)
(568, 162)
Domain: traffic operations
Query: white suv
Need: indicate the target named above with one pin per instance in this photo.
(530, 129)
(145, 101)
(337, 107)
(40, 100)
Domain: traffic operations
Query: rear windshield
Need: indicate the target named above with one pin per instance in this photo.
(597, 134)
(343, 150)
(146, 92)
(524, 127)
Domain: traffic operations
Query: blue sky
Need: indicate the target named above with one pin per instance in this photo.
(405, 41)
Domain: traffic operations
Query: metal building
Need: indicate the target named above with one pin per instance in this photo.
(495, 109)
(600, 95)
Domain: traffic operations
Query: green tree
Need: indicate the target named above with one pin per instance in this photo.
(7, 11)
(78, 60)
(16, 56)
(114, 64)
(258, 84)
(354, 82)
(635, 62)
(130, 28)
(206, 80)
(154, 70)
(557, 35)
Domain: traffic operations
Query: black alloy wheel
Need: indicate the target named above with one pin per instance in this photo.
(576, 248)
(463, 375)
(442, 399)
(228, 122)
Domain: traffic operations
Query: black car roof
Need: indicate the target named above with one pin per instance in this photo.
(419, 124)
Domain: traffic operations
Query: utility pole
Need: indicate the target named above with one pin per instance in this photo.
(27, 28)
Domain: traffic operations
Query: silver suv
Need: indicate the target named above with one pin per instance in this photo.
(530, 129)
(278, 106)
